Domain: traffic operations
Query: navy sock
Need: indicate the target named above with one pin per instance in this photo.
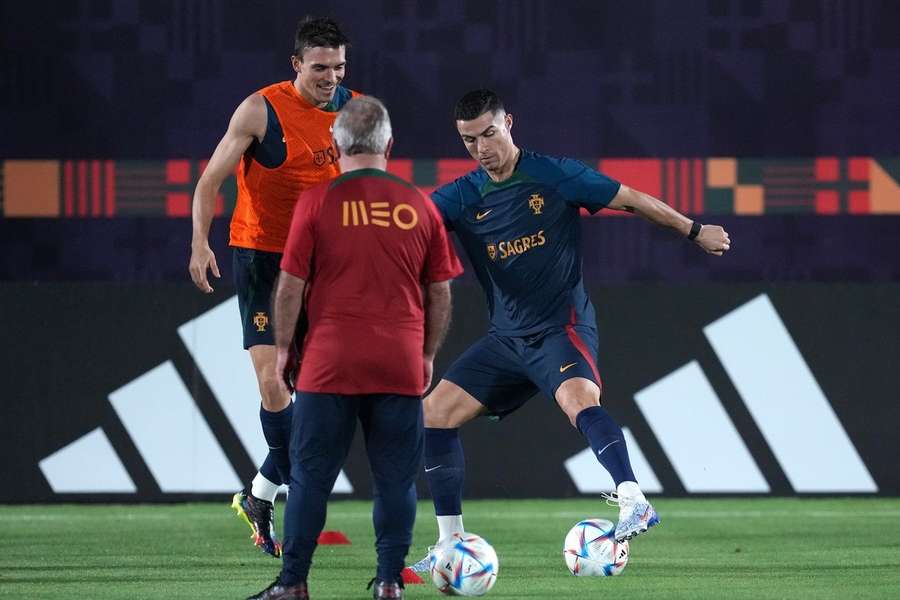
(445, 469)
(270, 471)
(276, 428)
(394, 515)
(607, 441)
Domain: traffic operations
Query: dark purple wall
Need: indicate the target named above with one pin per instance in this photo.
(156, 79)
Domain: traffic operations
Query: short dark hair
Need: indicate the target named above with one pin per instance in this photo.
(477, 102)
(315, 32)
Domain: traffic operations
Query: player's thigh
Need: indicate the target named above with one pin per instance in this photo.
(488, 378)
(321, 438)
(255, 275)
(563, 364)
(392, 426)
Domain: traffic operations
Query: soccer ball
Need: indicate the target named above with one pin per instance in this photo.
(591, 549)
(464, 565)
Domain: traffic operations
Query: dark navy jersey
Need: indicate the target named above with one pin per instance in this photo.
(523, 238)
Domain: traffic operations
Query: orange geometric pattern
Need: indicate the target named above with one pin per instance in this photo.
(825, 185)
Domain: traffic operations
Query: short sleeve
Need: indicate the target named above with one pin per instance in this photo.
(448, 201)
(298, 251)
(442, 263)
(582, 186)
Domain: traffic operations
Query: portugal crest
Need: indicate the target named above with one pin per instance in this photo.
(261, 320)
(536, 203)
(492, 251)
(319, 158)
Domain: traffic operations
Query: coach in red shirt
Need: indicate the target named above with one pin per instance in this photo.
(369, 256)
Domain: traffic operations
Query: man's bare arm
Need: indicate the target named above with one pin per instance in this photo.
(437, 321)
(247, 123)
(712, 238)
(288, 304)
(437, 316)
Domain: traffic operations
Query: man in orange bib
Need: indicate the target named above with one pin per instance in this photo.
(279, 143)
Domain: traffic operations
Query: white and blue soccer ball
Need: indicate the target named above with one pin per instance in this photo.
(464, 564)
(591, 549)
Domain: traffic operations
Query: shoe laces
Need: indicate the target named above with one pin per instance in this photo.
(614, 499)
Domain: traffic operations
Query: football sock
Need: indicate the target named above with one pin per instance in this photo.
(393, 515)
(445, 470)
(276, 428)
(607, 441)
(262, 487)
(448, 525)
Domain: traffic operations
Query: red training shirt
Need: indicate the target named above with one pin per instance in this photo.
(366, 243)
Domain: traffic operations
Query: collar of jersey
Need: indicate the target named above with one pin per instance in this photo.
(516, 178)
(368, 172)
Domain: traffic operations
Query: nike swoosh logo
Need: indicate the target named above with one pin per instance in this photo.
(599, 452)
(564, 368)
(427, 470)
(480, 215)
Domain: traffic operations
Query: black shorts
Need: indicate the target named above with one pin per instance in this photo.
(503, 372)
(255, 274)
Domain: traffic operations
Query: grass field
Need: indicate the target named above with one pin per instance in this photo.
(736, 548)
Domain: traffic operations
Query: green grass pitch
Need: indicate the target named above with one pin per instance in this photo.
(704, 548)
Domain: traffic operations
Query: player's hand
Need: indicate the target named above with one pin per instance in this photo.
(287, 363)
(428, 363)
(713, 239)
(202, 258)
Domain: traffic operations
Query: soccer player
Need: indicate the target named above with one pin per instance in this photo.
(366, 243)
(518, 218)
(279, 140)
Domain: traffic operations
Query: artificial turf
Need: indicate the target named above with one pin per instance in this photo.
(704, 548)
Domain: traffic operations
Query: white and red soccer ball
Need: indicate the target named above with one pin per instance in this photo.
(464, 565)
(591, 549)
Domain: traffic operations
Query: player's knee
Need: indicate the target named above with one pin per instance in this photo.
(436, 412)
(273, 393)
(575, 395)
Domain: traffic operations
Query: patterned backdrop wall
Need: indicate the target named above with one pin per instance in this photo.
(121, 80)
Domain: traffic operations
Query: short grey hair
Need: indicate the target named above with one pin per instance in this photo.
(362, 127)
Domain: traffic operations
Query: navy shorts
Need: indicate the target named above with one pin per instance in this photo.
(323, 429)
(255, 274)
(503, 372)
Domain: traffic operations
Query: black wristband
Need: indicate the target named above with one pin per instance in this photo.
(695, 229)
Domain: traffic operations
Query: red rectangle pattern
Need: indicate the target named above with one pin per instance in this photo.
(110, 168)
(69, 188)
(178, 204)
(402, 168)
(670, 198)
(449, 169)
(858, 203)
(82, 188)
(178, 171)
(643, 174)
(827, 169)
(858, 169)
(698, 187)
(827, 202)
(96, 209)
(684, 197)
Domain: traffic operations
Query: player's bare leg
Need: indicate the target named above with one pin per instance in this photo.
(446, 408)
(257, 507)
(579, 398)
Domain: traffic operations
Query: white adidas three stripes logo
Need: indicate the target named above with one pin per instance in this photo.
(682, 409)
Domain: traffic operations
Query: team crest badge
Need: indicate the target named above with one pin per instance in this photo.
(536, 203)
(261, 320)
(319, 158)
(492, 251)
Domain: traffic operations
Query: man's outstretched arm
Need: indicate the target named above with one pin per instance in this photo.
(288, 303)
(712, 238)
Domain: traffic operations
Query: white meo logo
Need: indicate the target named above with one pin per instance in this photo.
(702, 443)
